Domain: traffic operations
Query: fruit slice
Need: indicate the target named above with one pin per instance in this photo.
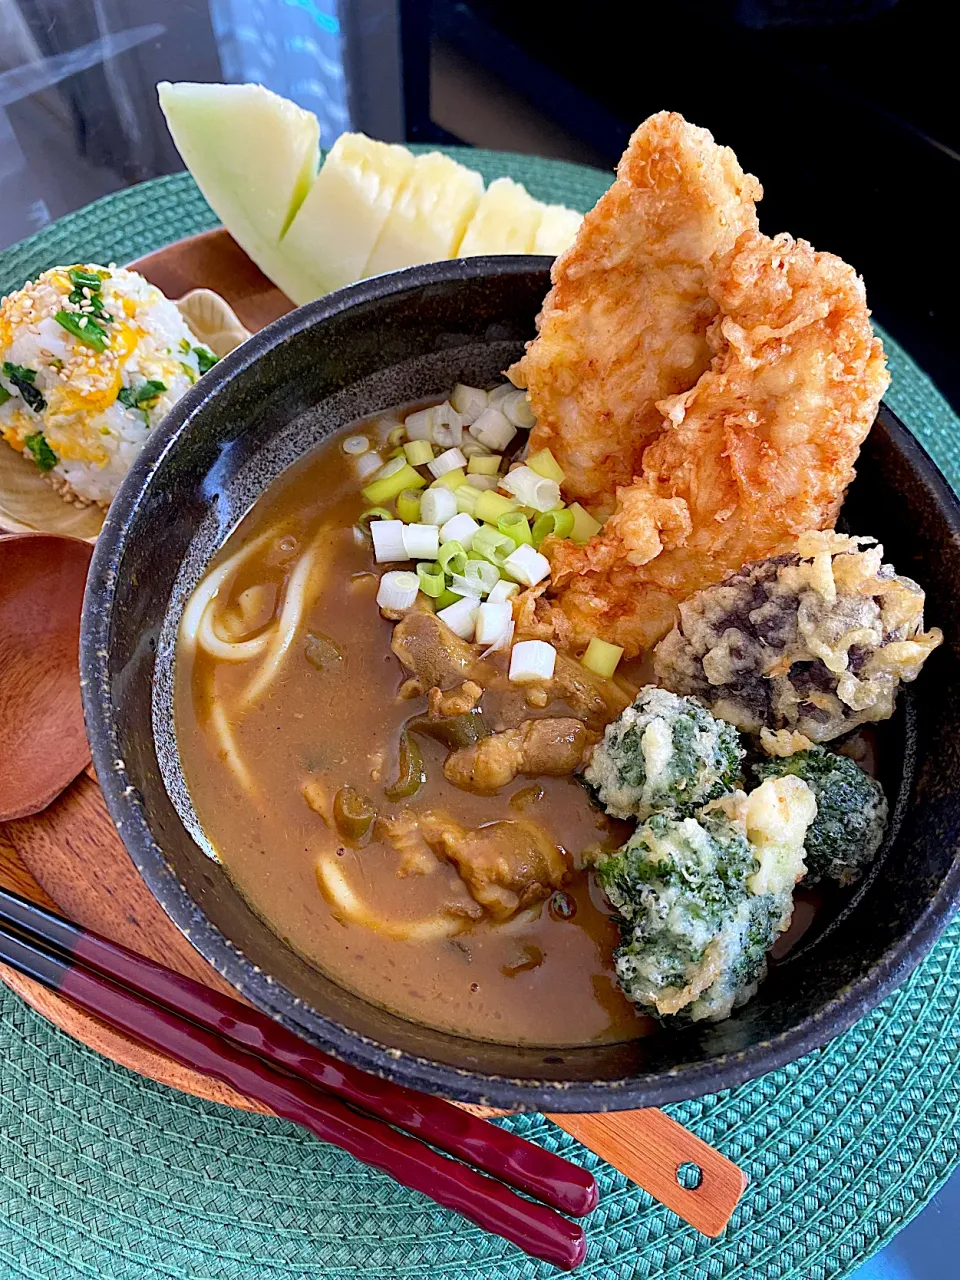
(506, 221)
(254, 157)
(430, 216)
(557, 230)
(333, 235)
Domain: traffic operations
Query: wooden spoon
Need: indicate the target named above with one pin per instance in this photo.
(43, 745)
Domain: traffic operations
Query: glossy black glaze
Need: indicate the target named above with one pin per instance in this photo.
(427, 327)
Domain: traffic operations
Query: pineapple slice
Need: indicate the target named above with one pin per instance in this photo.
(429, 217)
(333, 236)
(254, 157)
(557, 230)
(506, 221)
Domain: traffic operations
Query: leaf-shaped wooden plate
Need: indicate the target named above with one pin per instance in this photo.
(30, 504)
(212, 320)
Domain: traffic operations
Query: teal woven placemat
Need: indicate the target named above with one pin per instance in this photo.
(107, 1176)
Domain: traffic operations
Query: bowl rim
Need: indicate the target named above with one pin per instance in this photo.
(272, 997)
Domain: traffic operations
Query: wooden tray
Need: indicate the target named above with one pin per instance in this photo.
(71, 858)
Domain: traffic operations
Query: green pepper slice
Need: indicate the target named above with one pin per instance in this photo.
(411, 776)
(453, 732)
(353, 813)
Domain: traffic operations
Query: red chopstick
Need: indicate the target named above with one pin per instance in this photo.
(536, 1229)
(521, 1164)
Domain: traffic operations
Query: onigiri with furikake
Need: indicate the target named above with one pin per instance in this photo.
(91, 359)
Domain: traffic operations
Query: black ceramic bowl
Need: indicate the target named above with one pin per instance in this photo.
(391, 339)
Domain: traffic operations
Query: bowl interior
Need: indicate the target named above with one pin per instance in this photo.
(394, 339)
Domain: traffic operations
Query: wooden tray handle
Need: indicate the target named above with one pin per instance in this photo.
(652, 1149)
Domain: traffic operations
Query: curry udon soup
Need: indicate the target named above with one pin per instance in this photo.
(315, 760)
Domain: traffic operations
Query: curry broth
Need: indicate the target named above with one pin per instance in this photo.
(534, 979)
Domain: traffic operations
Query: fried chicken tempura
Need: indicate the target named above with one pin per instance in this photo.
(625, 322)
(760, 450)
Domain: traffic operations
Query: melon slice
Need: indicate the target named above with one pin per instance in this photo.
(557, 230)
(506, 221)
(430, 216)
(254, 157)
(334, 233)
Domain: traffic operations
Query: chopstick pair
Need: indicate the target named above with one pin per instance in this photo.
(212, 1033)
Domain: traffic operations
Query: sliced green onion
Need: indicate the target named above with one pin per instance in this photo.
(500, 392)
(447, 425)
(398, 589)
(419, 425)
(516, 526)
(452, 557)
(483, 572)
(531, 489)
(418, 452)
(482, 482)
(467, 588)
(461, 617)
(90, 333)
(584, 525)
(469, 402)
(527, 566)
(450, 479)
(392, 479)
(601, 658)
(503, 591)
(4, 395)
(373, 513)
(396, 436)
(449, 460)
(532, 660)
(466, 497)
(447, 598)
(545, 464)
(408, 506)
(516, 407)
(437, 506)
(491, 506)
(396, 453)
(494, 624)
(556, 524)
(388, 541)
(460, 529)
(432, 579)
(355, 445)
(493, 545)
(484, 464)
(493, 429)
(422, 541)
(367, 465)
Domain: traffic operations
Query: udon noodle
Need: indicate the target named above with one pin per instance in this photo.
(200, 631)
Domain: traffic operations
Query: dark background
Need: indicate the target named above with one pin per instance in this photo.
(846, 111)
